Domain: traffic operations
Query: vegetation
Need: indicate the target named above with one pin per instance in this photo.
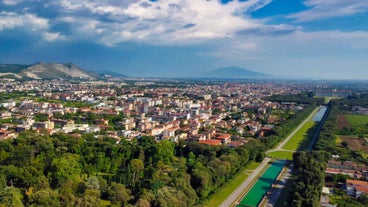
(309, 178)
(357, 120)
(224, 192)
(302, 137)
(282, 155)
(302, 98)
(60, 170)
(310, 167)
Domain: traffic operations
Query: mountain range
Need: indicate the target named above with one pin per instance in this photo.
(41, 71)
(235, 72)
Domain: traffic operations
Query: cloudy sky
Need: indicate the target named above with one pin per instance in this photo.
(325, 39)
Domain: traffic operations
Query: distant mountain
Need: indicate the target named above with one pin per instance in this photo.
(43, 70)
(236, 73)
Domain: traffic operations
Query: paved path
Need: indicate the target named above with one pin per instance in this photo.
(277, 189)
(238, 191)
(281, 145)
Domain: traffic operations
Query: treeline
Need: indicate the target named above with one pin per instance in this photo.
(301, 98)
(62, 170)
(309, 180)
(355, 100)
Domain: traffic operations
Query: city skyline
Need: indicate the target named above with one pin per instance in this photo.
(325, 39)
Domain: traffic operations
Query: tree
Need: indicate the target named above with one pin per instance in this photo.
(91, 198)
(44, 198)
(260, 156)
(11, 197)
(64, 168)
(119, 194)
(165, 152)
(136, 166)
(93, 183)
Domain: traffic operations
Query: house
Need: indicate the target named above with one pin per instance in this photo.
(211, 142)
(225, 138)
(5, 134)
(5, 115)
(356, 187)
(43, 125)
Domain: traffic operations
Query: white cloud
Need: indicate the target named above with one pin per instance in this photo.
(164, 21)
(29, 23)
(50, 37)
(323, 9)
(12, 2)
(10, 20)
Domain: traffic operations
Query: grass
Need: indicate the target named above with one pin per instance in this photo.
(295, 142)
(357, 120)
(282, 155)
(224, 192)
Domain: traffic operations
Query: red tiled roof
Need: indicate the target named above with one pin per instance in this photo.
(361, 189)
(212, 142)
(357, 182)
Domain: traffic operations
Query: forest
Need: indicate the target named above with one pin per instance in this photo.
(61, 170)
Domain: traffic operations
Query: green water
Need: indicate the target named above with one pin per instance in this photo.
(264, 183)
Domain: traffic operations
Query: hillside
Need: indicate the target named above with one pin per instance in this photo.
(43, 70)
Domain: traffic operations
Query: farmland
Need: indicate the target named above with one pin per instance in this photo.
(354, 143)
(342, 122)
(357, 120)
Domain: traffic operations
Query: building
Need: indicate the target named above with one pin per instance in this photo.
(356, 188)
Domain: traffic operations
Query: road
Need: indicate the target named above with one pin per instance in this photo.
(238, 191)
(281, 145)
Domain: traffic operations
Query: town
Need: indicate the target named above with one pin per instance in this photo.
(212, 114)
(250, 117)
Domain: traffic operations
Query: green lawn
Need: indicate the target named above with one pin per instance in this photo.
(230, 186)
(296, 140)
(282, 155)
(357, 120)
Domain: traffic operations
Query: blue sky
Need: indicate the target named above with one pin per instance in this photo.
(325, 39)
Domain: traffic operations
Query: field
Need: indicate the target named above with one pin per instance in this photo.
(230, 186)
(342, 122)
(296, 142)
(357, 120)
(356, 144)
(282, 155)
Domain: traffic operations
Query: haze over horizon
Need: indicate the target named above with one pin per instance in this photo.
(326, 39)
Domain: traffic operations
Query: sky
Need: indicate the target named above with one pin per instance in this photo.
(318, 39)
